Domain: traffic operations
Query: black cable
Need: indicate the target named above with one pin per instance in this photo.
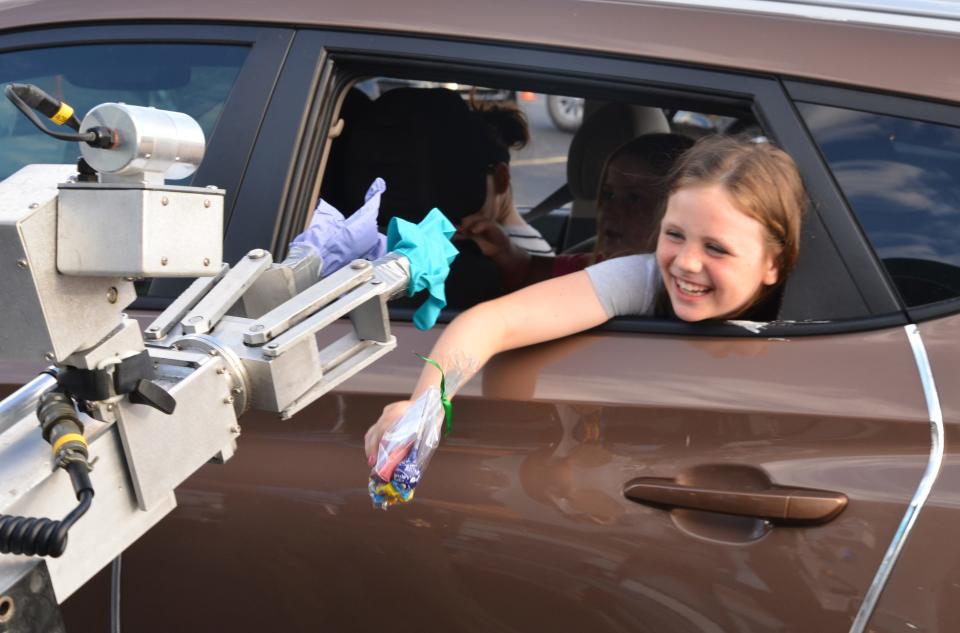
(115, 595)
(11, 92)
(101, 137)
(57, 111)
(45, 537)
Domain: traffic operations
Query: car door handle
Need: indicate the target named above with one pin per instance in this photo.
(785, 506)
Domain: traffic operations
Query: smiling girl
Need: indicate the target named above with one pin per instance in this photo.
(727, 241)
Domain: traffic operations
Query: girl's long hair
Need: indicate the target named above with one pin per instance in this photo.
(764, 184)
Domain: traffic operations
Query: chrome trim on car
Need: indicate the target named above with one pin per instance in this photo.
(923, 489)
(919, 15)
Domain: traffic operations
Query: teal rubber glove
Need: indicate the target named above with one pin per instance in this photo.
(428, 248)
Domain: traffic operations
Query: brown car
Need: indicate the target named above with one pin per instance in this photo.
(651, 475)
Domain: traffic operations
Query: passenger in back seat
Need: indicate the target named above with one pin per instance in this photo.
(505, 128)
(630, 202)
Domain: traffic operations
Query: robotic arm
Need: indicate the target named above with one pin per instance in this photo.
(130, 416)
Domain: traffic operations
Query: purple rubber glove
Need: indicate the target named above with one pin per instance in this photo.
(340, 241)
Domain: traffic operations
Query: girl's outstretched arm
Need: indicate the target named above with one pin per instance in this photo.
(545, 311)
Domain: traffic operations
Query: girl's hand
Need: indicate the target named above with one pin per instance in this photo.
(487, 234)
(391, 413)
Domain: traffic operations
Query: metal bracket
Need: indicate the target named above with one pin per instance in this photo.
(208, 312)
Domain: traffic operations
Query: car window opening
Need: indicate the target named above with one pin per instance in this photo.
(423, 138)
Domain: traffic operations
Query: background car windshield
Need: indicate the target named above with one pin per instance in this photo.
(195, 79)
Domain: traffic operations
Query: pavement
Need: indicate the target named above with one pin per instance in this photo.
(541, 167)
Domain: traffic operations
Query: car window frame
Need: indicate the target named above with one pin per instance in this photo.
(225, 163)
(903, 106)
(857, 267)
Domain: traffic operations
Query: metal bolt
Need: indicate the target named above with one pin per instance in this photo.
(177, 347)
(272, 346)
(49, 356)
(196, 319)
(112, 294)
(164, 201)
(206, 204)
(34, 205)
(235, 429)
(211, 186)
(258, 327)
(213, 352)
(256, 253)
(152, 328)
(228, 400)
(221, 370)
(206, 261)
(109, 407)
(359, 264)
(236, 391)
(164, 260)
(22, 263)
(376, 281)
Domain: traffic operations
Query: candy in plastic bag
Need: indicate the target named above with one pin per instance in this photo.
(406, 448)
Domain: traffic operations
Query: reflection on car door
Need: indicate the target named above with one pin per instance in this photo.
(521, 522)
(812, 413)
(924, 588)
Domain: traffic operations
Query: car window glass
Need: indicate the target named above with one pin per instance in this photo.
(190, 78)
(901, 177)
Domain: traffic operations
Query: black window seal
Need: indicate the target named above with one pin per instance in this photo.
(914, 108)
(933, 311)
(669, 327)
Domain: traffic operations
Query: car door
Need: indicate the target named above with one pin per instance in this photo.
(531, 514)
(895, 160)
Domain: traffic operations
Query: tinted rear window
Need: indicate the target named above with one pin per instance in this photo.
(901, 177)
(192, 78)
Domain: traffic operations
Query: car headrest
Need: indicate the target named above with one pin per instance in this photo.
(599, 135)
(428, 147)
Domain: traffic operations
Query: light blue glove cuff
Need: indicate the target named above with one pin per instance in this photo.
(428, 248)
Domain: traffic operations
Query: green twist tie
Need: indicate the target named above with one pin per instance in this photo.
(444, 400)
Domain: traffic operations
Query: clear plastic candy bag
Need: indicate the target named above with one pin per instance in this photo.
(406, 448)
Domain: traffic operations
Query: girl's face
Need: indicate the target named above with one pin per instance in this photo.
(627, 208)
(714, 259)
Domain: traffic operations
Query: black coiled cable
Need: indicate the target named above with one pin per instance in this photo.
(46, 537)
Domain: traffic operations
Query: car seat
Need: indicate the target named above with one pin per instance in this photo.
(423, 142)
(606, 127)
(417, 140)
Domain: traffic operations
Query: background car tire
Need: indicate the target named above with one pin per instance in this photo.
(565, 112)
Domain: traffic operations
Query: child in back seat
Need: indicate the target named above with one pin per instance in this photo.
(630, 202)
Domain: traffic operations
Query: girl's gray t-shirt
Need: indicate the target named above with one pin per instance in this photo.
(626, 285)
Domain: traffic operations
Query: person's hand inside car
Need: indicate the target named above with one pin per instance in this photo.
(494, 242)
